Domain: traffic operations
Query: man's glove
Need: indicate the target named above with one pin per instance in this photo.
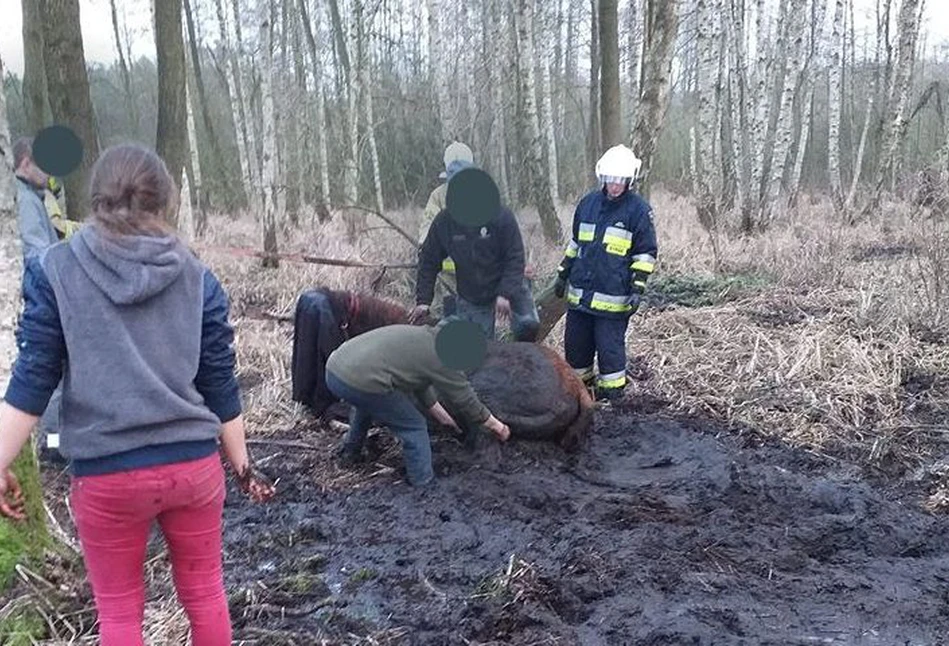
(560, 287)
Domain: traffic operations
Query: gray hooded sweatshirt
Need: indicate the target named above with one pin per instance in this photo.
(131, 311)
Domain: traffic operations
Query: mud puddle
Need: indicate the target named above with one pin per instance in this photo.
(659, 532)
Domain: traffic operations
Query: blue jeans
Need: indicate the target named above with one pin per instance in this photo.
(525, 322)
(395, 410)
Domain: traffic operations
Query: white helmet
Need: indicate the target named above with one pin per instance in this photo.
(618, 165)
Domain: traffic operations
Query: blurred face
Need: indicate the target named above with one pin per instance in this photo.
(615, 189)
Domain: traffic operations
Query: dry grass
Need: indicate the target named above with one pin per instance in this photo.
(838, 347)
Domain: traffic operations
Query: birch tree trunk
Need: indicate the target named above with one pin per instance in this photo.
(739, 103)
(661, 29)
(269, 168)
(7, 184)
(610, 109)
(69, 99)
(439, 61)
(810, 71)
(364, 74)
(172, 136)
(706, 163)
(317, 72)
(498, 69)
(350, 174)
(200, 99)
(633, 46)
(784, 128)
(540, 186)
(195, 174)
(546, 107)
(834, 103)
(244, 75)
(594, 145)
(233, 87)
(35, 96)
(897, 122)
(131, 106)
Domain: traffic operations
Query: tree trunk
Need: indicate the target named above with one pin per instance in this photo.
(610, 108)
(546, 108)
(350, 162)
(706, 171)
(268, 187)
(7, 184)
(364, 74)
(196, 194)
(740, 104)
(440, 62)
(35, 95)
(594, 145)
(633, 46)
(540, 186)
(498, 69)
(814, 66)
(201, 99)
(233, 87)
(245, 78)
(661, 30)
(784, 126)
(69, 98)
(321, 130)
(130, 105)
(172, 137)
(834, 104)
(897, 122)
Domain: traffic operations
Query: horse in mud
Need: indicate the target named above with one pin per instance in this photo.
(526, 385)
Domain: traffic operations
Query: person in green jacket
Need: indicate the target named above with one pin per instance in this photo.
(383, 373)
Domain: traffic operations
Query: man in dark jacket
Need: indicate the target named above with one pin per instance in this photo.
(489, 265)
(606, 264)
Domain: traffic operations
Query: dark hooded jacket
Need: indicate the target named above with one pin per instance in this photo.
(138, 329)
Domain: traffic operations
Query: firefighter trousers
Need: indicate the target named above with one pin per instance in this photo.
(588, 337)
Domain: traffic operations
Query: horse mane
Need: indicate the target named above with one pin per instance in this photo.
(370, 311)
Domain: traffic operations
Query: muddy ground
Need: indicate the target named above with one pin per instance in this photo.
(659, 532)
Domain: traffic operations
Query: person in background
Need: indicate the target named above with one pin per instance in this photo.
(608, 259)
(36, 234)
(149, 391)
(52, 200)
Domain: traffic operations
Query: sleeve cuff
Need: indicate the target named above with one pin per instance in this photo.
(27, 399)
(226, 404)
(428, 398)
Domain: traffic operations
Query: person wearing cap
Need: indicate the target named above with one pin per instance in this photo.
(489, 267)
(608, 259)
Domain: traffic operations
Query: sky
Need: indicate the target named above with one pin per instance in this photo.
(99, 42)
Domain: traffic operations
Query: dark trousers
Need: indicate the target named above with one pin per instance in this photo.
(396, 411)
(588, 336)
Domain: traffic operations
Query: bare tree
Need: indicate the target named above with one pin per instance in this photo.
(895, 132)
(317, 72)
(234, 90)
(69, 98)
(350, 173)
(610, 109)
(546, 114)
(834, 103)
(201, 99)
(594, 145)
(172, 137)
(364, 74)
(439, 62)
(34, 73)
(540, 188)
(130, 105)
(707, 169)
(269, 169)
(662, 25)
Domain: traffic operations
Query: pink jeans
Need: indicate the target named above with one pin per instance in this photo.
(114, 514)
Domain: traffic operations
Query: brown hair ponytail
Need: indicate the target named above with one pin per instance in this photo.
(132, 192)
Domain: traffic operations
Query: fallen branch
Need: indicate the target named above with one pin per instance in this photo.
(284, 444)
(300, 257)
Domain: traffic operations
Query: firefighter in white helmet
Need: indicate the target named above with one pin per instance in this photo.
(604, 270)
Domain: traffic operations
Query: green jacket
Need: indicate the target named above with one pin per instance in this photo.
(402, 358)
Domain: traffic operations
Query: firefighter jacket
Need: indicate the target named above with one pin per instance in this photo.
(611, 254)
